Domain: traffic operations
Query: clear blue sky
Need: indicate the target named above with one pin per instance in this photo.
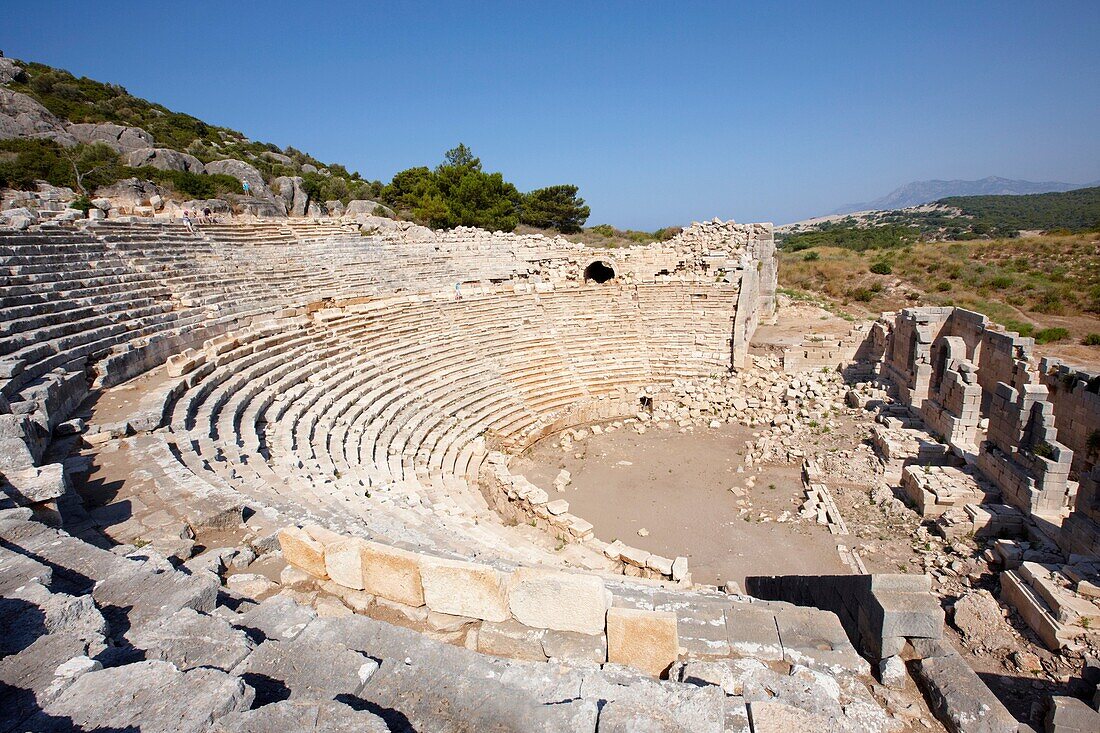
(660, 112)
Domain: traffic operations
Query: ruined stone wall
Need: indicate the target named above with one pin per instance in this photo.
(1081, 530)
(953, 368)
(1002, 355)
(908, 358)
(1075, 394)
(879, 612)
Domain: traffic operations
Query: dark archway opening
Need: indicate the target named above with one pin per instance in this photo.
(599, 272)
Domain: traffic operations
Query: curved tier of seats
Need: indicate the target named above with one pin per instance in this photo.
(348, 392)
(375, 416)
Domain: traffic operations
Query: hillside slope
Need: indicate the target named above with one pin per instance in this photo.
(923, 192)
(954, 218)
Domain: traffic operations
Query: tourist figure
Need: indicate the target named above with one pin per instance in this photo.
(458, 291)
(187, 220)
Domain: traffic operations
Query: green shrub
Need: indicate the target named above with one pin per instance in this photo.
(1092, 339)
(1048, 335)
(1043, 450)
(863, 295)
(1020, 327)
(881, 268)
(943, 286)
(812, 256)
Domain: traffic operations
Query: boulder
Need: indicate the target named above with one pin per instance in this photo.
(293, 194)
(129, 194)
(335, 207)
(165, 159)
(10, 71)
(242, 172)
(277, 157)
(216, 206)
(366, 206)
(979, 619)
(118, 137)
(262, 208)
(22, 116)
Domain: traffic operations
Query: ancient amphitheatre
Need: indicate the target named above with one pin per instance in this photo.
(306, 473)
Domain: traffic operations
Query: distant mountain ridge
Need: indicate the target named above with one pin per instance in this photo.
(924, 192)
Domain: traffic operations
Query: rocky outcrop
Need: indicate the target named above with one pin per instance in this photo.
(277, 157)
(242, 172)
(22, 116)
(366, 206)
(165, 159)
(262, 208)
(118, 137)
(132, 196)
(216, 206)
(293, 194)
(335, 207)
(9, 71)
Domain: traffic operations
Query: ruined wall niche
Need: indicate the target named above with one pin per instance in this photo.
(952, 404)
(599, 271)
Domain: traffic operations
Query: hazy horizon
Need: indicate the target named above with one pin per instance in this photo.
(661, 115)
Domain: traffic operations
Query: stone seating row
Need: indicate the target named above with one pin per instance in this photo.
(393, 397)
(98, 640)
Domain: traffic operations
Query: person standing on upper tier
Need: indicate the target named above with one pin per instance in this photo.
(247, 188)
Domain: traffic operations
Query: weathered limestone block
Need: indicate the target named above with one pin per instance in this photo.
(575, 649)
(150, 695)
(309, 717)
(384, 571)
(189, 639)
(511, 639)
(464, 589)
(1070, 715)
(645, 640)
(549, 599)
(960, 698)
(303, 552)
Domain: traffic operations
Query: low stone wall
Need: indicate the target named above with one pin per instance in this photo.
(527, 613)
(879, 612)
(516, 499)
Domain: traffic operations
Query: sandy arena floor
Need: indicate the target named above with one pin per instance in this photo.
(676, 486)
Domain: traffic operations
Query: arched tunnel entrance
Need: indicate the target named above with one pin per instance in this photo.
(599, 271)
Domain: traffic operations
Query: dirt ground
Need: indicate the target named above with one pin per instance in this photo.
(676, 487)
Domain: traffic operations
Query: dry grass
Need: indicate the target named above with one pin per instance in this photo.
(1046, 281)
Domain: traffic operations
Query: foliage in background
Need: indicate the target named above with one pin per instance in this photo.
(1004, 216)
(853, 238)
(459, 192)
(1016, 281)
(556, 207)
(24, 161)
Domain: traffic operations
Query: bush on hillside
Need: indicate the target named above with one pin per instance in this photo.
(881, 268)
(1092, 339)
(1049, 335)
